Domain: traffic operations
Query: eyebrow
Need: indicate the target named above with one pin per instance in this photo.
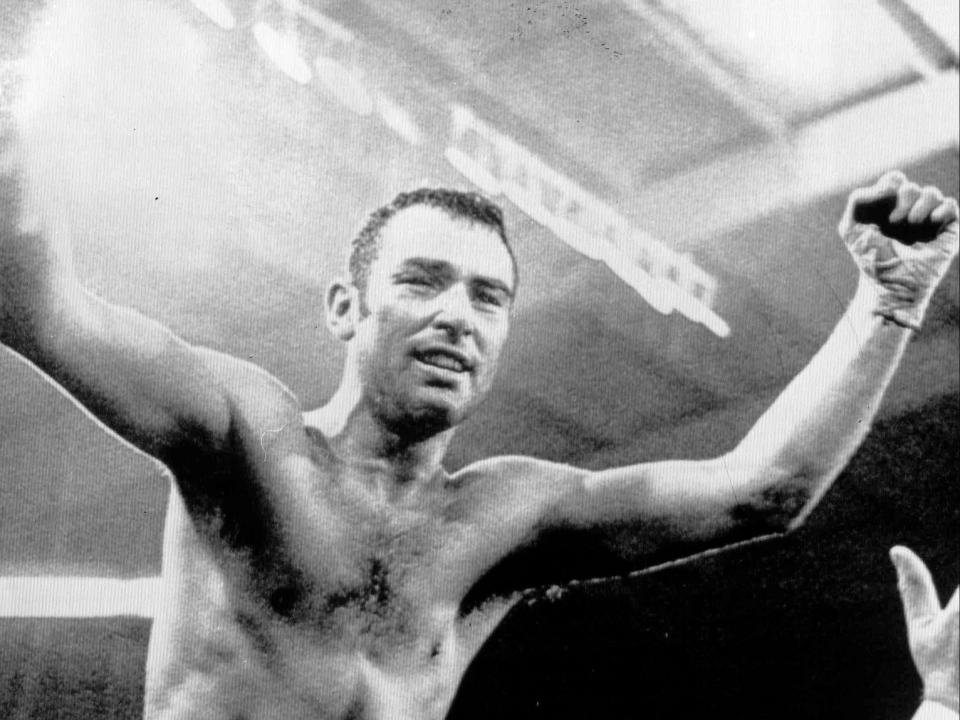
(434, 267)
(441, 268)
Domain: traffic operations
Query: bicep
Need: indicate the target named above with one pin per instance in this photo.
(134, 375)
(548, 523)
(695, 495)
(666, 509)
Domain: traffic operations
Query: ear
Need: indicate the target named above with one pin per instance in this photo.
(343, 307)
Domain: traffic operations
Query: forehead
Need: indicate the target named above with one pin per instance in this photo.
(430, 233)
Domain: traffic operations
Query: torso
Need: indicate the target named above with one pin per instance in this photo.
(351, 608)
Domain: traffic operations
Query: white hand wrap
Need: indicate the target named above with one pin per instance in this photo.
(903, 277)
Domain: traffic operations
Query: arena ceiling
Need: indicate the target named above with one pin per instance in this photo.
(213, 159)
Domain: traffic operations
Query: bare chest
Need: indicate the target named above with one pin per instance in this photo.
(315, 588)
(371, 635)
(389, 585)
(345, 566)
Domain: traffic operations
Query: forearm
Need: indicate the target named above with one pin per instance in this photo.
(772, 479)
(813, 428)
(37, 278)
(930, 710)
(131, 373)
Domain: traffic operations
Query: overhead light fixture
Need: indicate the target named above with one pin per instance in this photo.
(943, 18)
(472, 171)
(499, 165)
(282, 52)
(399, 120)
(344, 84)
(330, 47)
(806, 58)
(218, 11)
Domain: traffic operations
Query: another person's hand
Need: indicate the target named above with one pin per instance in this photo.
(933, 633)
(903, 238)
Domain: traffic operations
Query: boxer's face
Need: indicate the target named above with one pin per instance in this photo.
(438, 303)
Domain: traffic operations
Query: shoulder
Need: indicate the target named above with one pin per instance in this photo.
(239, 410)
(254, 396)
(508, 470)
(515, 483)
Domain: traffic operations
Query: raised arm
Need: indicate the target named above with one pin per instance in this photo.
(903, 238)
(156, 391)
(772, 479)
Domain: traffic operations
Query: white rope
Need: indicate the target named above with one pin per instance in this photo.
(77, 597)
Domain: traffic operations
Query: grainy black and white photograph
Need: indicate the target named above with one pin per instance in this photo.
(458, 360)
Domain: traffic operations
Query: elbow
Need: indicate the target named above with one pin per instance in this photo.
(777, 509)
(794, 523)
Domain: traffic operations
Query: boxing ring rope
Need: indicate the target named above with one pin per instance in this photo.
(77, 597)
(44, 596)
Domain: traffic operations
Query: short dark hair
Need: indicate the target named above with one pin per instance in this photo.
(470, 206)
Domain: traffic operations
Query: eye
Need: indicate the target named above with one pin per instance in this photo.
(416, 280)
(490, 296)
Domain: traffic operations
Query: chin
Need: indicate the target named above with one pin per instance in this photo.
(421, 422)
(439, 408)
(433, 411)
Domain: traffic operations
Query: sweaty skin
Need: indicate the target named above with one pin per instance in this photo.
(357, 612)
(337, 589)
(323, 565)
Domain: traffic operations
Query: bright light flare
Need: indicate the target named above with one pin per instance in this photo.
(282, 52)
(473, 171)
(399, 120)
(810, 54)
(344, 85)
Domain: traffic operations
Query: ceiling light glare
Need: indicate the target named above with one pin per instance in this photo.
(282, 52)
(399, 120)
(344, 84)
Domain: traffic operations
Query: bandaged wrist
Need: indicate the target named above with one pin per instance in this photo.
(876, 300)
(903, 278)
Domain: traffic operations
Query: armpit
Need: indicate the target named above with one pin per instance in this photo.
(773, 508)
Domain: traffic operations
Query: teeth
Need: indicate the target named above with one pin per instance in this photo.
(441, 360)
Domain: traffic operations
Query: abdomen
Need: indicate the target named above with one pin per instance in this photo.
(212, 659)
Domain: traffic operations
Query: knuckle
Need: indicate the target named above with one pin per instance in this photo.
(909, 189)
(894, 177)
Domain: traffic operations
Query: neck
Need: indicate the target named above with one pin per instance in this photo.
(393, 463)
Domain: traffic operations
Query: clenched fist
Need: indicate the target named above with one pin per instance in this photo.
(903, 238)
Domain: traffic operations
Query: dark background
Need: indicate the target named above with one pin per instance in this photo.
(208, 190)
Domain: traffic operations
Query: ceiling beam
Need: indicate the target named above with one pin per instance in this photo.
(826, 157)
(696, 55)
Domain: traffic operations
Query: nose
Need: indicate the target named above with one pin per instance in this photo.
(455, 314)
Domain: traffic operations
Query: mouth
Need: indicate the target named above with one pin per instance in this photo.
(444, 359)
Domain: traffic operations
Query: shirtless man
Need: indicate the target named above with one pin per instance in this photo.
(323, 564)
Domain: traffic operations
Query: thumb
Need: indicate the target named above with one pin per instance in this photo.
(917, 590)
(952, 609)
